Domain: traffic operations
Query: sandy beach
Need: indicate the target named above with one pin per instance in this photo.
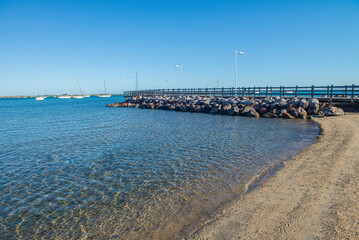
(315, 195)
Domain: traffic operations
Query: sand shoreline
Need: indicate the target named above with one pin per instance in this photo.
(315, 196)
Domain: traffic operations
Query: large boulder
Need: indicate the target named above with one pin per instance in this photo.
(184, 109)
(263, 110)
(249, 102)
(303, 103)
(206, 108)
(334, 111)
(281, 112)
(225, 109)
(116, 104)
(233, 111)
(215, 110)
(301, 113)
(313, 106)
(252, 113)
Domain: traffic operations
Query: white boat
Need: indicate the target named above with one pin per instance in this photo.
(67, 94)
(86, 92)
(77, 97)
(39, 98)
(79, 89)
(64, 97)
(104, 95)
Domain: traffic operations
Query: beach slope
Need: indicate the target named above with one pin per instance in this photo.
(315, 196)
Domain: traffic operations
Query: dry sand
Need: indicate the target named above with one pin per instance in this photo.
(315, 196)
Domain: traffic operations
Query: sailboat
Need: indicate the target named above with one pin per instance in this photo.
(65, 96)
(86, 92)
(104, 95)
(78, 96)
(37, 93)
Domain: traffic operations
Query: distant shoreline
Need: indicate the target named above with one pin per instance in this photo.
(51, 96)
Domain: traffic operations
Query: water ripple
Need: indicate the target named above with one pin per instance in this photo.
(76, 169)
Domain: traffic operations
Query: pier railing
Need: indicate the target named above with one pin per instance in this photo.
(330, 92)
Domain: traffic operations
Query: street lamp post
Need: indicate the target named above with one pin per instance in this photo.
(235, 60)
(180, 67)
(124, 81)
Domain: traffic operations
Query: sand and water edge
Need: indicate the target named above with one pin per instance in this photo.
(314, 196)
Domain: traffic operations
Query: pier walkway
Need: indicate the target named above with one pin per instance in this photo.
(348, 94)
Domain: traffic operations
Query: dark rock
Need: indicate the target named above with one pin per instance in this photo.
(252, 113)
(281, 112)
(294, 113)
(246, 110)
(270, 115)
(233, 111)
(225, 109)
(303, 103)
(301, 113)
(263, 110)
(287, 115)
(249, 102)
(215, 110)
(313, 106)
(206, 108)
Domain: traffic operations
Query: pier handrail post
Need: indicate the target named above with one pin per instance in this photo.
(331, 92)
(280, 91)
(353, 93)
(266, 91)
(271, 91)
(312, 92)
(346, 91)
(254, 91)
(296, 91)
(328, 91)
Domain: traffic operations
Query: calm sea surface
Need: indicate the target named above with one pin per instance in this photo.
(72, 168)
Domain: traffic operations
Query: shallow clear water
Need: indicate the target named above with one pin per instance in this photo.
(72, 168)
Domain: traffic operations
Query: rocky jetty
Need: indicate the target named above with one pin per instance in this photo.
(273, 107)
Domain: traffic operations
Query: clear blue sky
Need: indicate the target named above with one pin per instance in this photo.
(286, 43)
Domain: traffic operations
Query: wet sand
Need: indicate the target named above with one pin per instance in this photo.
(315, 195)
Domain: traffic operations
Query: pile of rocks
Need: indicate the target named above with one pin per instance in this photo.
(275, 107)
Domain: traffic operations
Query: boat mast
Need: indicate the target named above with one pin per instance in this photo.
(79, 87)
(67, 90)
(104, 83)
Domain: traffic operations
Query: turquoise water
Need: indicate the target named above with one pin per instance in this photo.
(72, 168)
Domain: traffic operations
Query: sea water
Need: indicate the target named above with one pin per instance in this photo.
(72, 168)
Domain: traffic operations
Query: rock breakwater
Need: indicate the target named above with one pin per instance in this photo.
(273, 107)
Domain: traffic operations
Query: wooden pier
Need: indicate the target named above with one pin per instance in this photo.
(339, 94)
